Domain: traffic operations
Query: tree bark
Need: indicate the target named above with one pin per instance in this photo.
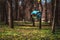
(46, 20)
(5, 13)
(41, 16)
(10, 14)
(52, 10)
(16, 8)
(54, 18)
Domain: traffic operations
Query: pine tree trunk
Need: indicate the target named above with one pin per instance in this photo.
(16, 8)
(54, 18)
(10, 14)
(52, 9)
(41, 16)
(46, 20)
(5, 13)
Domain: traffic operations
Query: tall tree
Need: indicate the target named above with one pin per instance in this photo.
(16, 8)
(57, 13)
(5, 13)
(54, 16)
(46, 20)
(10, 13)
(2, 10)
(52, 9)
(41, 15)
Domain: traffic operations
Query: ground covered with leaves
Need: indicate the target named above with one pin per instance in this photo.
(21, 32)
(27, 33)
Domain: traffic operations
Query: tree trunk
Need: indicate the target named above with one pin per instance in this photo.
(2, 15)
(52, 9)
(18, 11)
(54, 18)
(10, 14)
(16, 8)
(41, 16)
(5, 13)
(46, 20)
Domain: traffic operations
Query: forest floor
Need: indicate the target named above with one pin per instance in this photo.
(28, 33)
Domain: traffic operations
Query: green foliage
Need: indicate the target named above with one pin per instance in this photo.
(27, 33)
